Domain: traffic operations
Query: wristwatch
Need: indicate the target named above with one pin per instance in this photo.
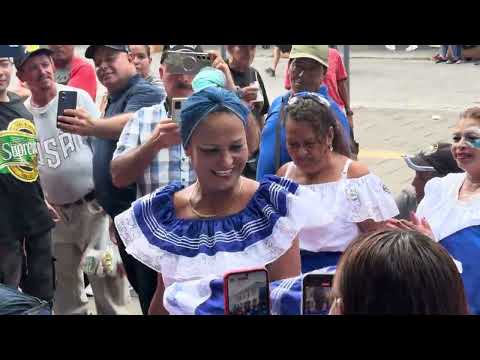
(349, 113)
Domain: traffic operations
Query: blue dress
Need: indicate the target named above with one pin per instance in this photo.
(188, 249)
(456, 225)
(205, 296)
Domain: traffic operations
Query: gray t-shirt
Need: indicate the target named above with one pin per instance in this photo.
(64, 160)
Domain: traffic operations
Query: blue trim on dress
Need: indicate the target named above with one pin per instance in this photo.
(317, 260)
(155, 216)
(464, 246)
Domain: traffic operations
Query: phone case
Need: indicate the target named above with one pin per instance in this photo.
(244, 271)
(319, 280)
(66, 100)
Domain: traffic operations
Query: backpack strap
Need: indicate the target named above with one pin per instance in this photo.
(278, 128)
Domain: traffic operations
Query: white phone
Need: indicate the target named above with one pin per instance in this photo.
(177, 105)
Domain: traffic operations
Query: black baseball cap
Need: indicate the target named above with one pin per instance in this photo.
(180, 48)
(25, 52)
(90, 52)
(436, 158)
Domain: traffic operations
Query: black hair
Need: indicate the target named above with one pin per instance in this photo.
(320, 117)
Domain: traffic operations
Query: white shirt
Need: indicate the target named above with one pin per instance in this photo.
(64, 160)
(441, 207)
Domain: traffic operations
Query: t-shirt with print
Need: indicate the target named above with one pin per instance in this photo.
(23, 209)
(65, 160)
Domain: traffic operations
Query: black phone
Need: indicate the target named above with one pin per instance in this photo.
(247, 292)
(316, 294)
(66, 100)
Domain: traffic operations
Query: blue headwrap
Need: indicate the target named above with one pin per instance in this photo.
(202, 103)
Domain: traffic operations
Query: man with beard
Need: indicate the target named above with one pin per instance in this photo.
(308, 66)
(128, 92)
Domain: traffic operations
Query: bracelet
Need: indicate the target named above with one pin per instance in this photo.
(349, 113)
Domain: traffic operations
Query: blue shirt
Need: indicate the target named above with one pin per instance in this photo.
(137, 94)
(266, 160)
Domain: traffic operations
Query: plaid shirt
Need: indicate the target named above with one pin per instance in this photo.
(169, 165)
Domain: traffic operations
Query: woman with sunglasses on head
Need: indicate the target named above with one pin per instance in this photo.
(224, 221)
(450, 210)
(357, 199)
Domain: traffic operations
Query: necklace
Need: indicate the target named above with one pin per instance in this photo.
(198, 213)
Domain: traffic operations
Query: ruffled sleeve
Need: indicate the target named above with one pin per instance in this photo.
(432, 199)
(368, 198)
(184, 249)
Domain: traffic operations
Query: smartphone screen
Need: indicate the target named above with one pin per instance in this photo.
(316, 297)
(177, 104)
(66, 100)
(247, 293)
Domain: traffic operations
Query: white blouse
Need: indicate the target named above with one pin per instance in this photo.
(445, 213)
(350, 201)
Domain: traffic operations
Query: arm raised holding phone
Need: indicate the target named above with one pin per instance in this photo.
(127, 167)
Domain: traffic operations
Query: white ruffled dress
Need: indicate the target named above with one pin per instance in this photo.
(350, 201)
(188, 249)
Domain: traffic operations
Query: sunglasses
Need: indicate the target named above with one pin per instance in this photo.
(308, 95)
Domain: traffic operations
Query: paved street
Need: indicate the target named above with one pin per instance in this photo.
(394, 96)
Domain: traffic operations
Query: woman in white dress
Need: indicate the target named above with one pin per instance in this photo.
(357, 199)
(450, 211)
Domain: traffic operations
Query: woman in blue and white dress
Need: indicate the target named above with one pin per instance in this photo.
(450, 211)
(357, 199)
(224, 221)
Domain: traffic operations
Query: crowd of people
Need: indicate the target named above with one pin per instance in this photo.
(121, 193)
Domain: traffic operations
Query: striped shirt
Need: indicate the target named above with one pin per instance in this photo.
(169, 165)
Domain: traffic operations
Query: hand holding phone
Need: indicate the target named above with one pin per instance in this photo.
(246, 292)
(316, 294)
(177, 105)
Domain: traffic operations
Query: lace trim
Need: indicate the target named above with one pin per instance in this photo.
(181, 268)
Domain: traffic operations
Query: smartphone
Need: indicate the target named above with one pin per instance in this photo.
(316, 294)
(66, 100)
(246, 292)
(189, 63)
(177, 105)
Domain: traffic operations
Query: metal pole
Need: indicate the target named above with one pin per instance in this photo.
(346, 60)
(223, 51)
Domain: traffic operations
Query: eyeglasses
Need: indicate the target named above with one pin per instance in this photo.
(308, 95)
(299, 65)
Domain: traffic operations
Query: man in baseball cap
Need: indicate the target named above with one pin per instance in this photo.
(25, 52)
(308, 66)
(434, 161)
(90, 52)
(179, 48)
